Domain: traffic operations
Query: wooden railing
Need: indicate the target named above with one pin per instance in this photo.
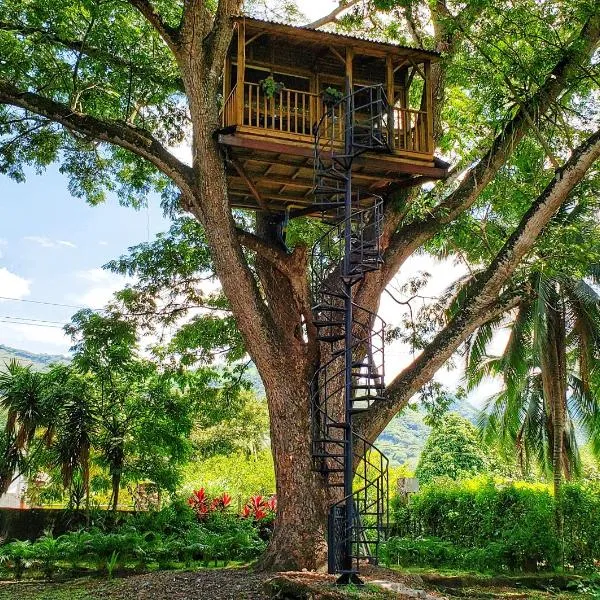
(411, 130)
(228, 114)
(297, 112)
(291, 111)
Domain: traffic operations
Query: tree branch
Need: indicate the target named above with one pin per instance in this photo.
(217, 43)
(119, 133)
(169, 34)
(482, 303)
(333, 15)
(104, 56)
(410, 237)
(276, 256)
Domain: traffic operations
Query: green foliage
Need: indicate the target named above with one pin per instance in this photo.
(271, 87)
(242, 475)
(118, 415)
(170, 537)
(452, 450)
(495, 526)
(403, 439)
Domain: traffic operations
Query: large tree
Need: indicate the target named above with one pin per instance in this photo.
(108, 88)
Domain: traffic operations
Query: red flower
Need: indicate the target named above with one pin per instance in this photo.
(203, 505)
(258, 508)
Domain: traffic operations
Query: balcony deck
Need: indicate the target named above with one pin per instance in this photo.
(268, 138)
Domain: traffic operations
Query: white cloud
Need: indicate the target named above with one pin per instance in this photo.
(104, 285)
(103, 243)
(12, 285)
(38, 339)
(46, 242)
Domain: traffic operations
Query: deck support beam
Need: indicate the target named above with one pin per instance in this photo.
(242, 173)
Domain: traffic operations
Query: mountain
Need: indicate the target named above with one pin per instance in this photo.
(39, 362)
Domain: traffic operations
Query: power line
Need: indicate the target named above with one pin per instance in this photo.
(2, 320)
(44, 302)
(31, 319)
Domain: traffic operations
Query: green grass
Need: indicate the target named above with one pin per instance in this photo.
(86, 589)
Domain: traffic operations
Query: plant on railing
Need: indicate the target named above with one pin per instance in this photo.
(331, 96)
(271, 87)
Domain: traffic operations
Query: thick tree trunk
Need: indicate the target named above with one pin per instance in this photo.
(299, 537)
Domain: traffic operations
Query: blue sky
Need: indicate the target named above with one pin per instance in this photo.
(52, 247)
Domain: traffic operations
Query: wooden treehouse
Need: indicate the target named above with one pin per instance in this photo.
(321, 124)
(277, 86)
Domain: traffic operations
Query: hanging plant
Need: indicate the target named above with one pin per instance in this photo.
(271, 87)
(331, 96)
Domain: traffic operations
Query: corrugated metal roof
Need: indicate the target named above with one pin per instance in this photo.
(340, 36)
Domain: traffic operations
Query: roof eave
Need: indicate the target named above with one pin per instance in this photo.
(368, 47)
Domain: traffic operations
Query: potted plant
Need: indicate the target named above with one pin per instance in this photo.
(271, 87)
(331, 96)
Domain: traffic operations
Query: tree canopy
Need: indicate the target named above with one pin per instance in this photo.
(453, 449)
(110, 89)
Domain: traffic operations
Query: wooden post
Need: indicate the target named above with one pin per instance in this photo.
(349, 59)
(389, 80)
(227, 78)
(405, 86)
(429, 106)
(241, 71)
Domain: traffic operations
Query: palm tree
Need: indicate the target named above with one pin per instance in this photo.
(22, 397)
(76, 425)
(547, 368)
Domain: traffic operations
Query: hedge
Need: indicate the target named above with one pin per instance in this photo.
(495, 526)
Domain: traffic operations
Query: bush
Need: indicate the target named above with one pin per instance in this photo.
(499, 527)
(165, 538)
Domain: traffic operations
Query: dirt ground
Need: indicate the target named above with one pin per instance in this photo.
(238, 584)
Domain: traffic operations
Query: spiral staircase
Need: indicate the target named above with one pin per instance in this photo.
(352, 357)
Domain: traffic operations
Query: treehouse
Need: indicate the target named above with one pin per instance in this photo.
(280, 82)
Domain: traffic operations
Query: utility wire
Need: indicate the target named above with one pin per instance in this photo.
(31, 319)
(2, 320)
(44, 302)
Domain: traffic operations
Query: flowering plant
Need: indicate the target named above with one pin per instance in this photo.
(202, 505)
(259, 508)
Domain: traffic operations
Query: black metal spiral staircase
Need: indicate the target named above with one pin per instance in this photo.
(352, 363)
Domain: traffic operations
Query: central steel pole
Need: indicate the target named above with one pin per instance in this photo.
(349, 572)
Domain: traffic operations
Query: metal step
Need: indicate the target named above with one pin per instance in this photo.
(322, 323)
(361, 386)
(330, 338)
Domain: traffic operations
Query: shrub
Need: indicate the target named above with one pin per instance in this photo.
(18, 556)
(498, 526)
(174, 537)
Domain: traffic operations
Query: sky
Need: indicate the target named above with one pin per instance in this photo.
(53, 246)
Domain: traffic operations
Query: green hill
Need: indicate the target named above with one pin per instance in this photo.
(405, 436)
(38, 361)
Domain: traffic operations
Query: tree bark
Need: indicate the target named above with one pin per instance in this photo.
(299, 537)
(554, 373)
